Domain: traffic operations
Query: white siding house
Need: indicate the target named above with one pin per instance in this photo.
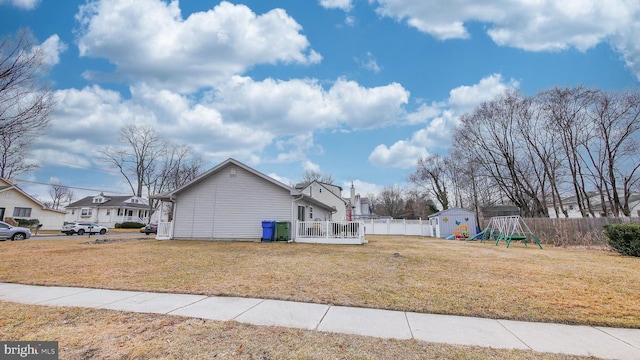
(444, 223)
(109, 210)
(230, 202)
(16, 204)
(329, 194)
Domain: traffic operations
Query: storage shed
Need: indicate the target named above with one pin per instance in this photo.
(445, 222)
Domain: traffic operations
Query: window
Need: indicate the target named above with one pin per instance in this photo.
(21, 212)
(85, 212)
(310, 212)
(301, 213)
(108, 211)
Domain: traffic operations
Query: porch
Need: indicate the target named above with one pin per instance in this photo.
(329, 232)
(313, 232)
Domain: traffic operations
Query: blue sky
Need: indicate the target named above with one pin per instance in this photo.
(359, 89)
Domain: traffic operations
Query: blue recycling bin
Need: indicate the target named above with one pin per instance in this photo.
(268, 230)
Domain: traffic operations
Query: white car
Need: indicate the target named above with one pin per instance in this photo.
(8, 232)
(83, 228)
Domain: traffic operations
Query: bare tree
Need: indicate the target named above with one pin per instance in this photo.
(565, 111)
(26, 102)
(310, 176)
(390, 202)
(59, 194)
(150, 163)
(613, 154)
(138, 157)
(431, 176)
(177, 166)
(491, 138)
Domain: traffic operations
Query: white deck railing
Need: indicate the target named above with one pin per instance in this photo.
(165, 231)
(329, 232)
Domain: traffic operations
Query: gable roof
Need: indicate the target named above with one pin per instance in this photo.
(111, 201)
(324, 186)
(8, 185)
(169, 196)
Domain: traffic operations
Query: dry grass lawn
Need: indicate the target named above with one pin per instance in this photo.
(573, 286)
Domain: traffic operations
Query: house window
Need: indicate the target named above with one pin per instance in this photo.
(311, 212)
(21, 212)
(108, 211)
(73, 212)
(85, 212)
(119, 212)
(301, 213)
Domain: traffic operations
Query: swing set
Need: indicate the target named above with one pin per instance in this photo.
(507, 228)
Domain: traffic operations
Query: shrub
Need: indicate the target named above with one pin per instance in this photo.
(28, 222)
(624, 238)
(130, 225)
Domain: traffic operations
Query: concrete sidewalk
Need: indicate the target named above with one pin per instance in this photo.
(602, 342)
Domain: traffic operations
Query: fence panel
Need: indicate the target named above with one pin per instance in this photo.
(574, 231)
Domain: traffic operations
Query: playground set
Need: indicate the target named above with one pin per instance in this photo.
(507, 228)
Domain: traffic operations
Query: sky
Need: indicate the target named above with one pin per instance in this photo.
(359, 89)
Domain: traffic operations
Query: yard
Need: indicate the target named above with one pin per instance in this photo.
(573, 286)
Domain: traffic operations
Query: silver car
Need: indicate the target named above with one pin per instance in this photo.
(8, 232)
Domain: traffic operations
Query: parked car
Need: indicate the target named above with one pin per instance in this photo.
(150, 229)
(83, 228)
(8, 232)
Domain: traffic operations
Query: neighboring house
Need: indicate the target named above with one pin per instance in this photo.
(230, 202)
(358, 207)
(108, 210)
(16, 204)
(570, 204)
(329, 194)
(443, 223)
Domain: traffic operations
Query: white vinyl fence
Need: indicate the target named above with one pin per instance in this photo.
(397, 227)
(330, 232)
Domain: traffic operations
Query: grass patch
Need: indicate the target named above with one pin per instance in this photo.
(106, 334)
(571, 286)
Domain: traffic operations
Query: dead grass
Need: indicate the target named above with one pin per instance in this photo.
(573, 286)
(105, 334)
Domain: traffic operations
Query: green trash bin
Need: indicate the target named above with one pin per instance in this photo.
(283, 230)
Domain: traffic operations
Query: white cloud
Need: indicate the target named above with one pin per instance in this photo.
(345, 5)
(52, 47)
(296, 105)
(369, 62)
(400, 155)
(466, 98)
(441, 119)
(22, 4)
(149, 41)
(309, 165)
(239, 119)
(529, 24)
(361, 187)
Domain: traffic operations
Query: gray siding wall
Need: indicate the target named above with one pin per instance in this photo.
(230, 205)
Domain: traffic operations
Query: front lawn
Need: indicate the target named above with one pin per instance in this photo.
(573, 286)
